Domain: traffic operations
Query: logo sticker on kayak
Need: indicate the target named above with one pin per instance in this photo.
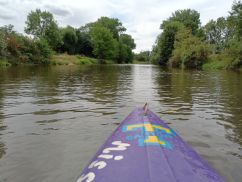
(149, 134)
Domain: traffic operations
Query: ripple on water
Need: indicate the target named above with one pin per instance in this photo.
(48, 121)
(2, 150)
(198, 144)
(59, 116)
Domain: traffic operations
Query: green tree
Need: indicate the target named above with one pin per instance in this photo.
(112, 24)
(35, 51)
(123, 44)
(104, 45)
(127, 40)
(190, 51)
(3, 45)
(84, 44)
(44, 51)
(126, 45)
(235, 18)
(6, 33)
(189, 18)
(69, 40)
(8, 29)
(143, 56)
(123, 54)
(41, 24)
(234, 51)
(218, 33)
(166, 41)
(19, 49)
(155, 51)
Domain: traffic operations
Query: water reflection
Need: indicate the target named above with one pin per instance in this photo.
(206, 101)
(217, 94)
(230, 98)
(53, 119)
(2, 126)
(175, 91)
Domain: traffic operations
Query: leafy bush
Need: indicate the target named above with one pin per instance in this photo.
(217, 61)
(190, 51)
(143, 56)
(34, 51)
(44, 50)
(105, 46)
(3, 44)
(235, 52)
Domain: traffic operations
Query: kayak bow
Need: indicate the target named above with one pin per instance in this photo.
(145, 149)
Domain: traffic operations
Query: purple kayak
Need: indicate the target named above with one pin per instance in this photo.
(145, 149)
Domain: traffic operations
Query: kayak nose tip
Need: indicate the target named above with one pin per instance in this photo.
(145, 108)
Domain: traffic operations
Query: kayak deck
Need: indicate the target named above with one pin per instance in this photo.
(145, 149)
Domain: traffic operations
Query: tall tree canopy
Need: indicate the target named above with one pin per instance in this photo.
(167, 39)
(69, 39)
(41, 24)
(235, 18)
(189, 18)
(122, 44)
(84, 44)
(104, 45)
(217, 33)
(189, 50)
(143, 56)
(113, 24)
(126, 45)
(180, 19)
(102, 39)
(127, 40)
(184, 43)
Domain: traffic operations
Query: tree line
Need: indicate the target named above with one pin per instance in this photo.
(185, 43)
(104, 39)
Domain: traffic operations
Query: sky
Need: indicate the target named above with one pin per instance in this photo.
(142, 18)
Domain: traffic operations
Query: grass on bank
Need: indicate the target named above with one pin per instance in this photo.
(217, 62)
(65, 59)
(4, 63)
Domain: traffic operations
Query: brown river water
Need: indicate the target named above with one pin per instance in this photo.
(53, 119)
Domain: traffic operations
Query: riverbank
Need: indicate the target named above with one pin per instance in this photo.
(141, 62)
(62, 59)
(213, 63)
(221, 62)
(65, 59)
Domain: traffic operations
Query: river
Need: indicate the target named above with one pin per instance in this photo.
(53, 119)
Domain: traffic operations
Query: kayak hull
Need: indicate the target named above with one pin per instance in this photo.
(143, 148)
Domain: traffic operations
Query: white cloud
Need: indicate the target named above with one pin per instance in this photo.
(142, 18)
(57, 10)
